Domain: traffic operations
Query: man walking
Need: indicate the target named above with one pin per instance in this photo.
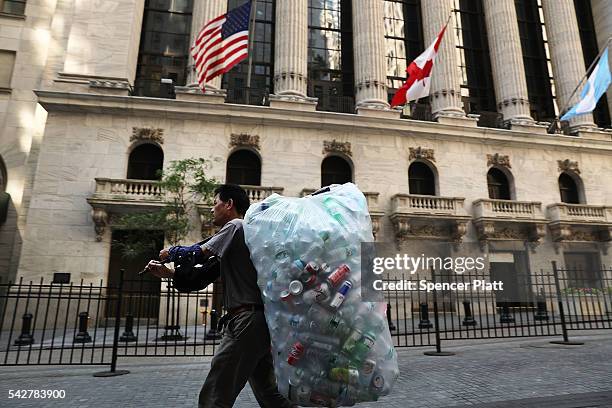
(244, 354)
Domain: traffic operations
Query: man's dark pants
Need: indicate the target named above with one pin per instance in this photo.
(243, 355)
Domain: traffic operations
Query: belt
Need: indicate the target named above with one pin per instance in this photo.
(234, 311)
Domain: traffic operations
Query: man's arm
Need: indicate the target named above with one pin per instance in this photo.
(173, 253)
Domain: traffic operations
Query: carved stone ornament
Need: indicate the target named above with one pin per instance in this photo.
(421, 153)
(337, 147)
(244, 140)
(568, 165)
(147, 134)
(498, 160)
(100, 219)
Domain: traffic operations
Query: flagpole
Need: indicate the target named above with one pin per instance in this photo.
(586, 75)
(251, 40)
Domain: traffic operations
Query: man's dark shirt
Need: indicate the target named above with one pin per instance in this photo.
(238, 274)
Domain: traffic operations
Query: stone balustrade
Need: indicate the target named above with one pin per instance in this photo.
(259, 193)
(491, 208)
(128, 189)
(423, 204)
(579, 213)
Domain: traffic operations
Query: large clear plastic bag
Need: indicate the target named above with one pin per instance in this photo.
(330, 348)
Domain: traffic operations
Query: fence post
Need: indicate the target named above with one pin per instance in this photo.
(113, 372)
(438, 351)
(565, 340)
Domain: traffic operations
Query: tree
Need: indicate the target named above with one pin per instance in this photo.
(183, 184)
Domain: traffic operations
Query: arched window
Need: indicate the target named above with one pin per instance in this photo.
(335, 170)
(421, 179)
(243, 167)
(145, 161)
(499, 186)
(568, 189)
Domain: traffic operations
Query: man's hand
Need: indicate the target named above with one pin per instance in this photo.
(164, 254)
(158, 269)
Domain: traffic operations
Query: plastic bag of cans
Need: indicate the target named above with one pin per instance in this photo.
(330, 348)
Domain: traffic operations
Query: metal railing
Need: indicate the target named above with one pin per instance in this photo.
(96, 324)
(248, 96)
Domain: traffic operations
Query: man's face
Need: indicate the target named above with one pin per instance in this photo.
(222, 211)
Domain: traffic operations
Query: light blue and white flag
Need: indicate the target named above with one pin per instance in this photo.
(596, 85)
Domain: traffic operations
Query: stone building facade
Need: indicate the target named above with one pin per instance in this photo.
(72, 118)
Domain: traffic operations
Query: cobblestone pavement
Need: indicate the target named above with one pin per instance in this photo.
(524, 372)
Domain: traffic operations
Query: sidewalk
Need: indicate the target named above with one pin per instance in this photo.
(524, 372)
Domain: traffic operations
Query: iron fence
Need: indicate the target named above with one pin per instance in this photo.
(95, 324)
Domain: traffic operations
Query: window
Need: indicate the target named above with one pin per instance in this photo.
(584, 15)
(7, 63)
(421, 179)
(13, 7)
(536, 59)
(243, 167)
(499, 186)
(330, 55)
(262, 69)
(403, 39)
(145, 161)
(164, 45)
(335, 170)
(477, 90)
(568, 189)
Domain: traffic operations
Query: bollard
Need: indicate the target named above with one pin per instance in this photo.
(541, 312)
(213, 334)
(468, 320)
(424, 323)
(128, 334)
(389, 321)
(82, 336)
(25, 338)
(505, 316)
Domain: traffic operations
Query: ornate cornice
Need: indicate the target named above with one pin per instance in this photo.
(244, 140)
(568, 165)
(498, 160)
(147, 134)
(335, 146)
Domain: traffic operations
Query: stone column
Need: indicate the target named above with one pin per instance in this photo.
(602, 19)
(369, 48)
(445, 91)
(203, 12)
(291, 57)
(291, 48)
(566, 56)
(507, 61)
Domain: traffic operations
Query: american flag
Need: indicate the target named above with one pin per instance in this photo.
(222, 43)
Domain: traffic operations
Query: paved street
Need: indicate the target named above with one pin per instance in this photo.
(524, 372)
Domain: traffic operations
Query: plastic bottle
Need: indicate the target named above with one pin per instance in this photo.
(319, 294)
(347, 375)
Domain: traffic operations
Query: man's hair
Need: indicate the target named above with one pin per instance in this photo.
(236, 193)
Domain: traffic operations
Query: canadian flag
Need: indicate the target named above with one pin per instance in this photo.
(419, 75)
